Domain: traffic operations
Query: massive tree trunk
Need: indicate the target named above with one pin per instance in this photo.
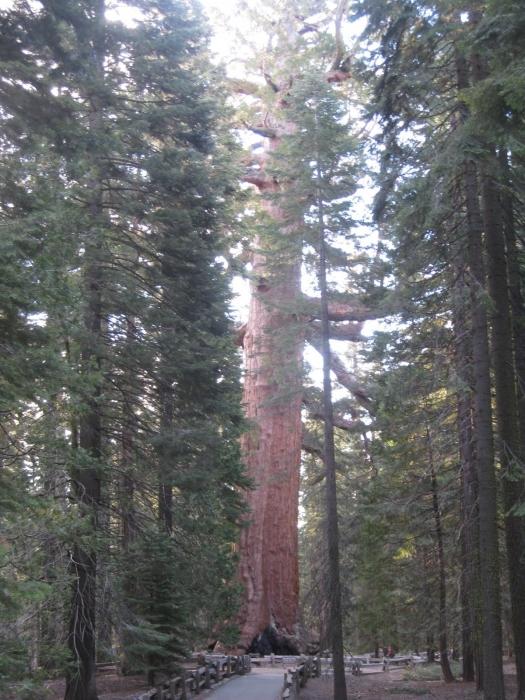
(273, 346)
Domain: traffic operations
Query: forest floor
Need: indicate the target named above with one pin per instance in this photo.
(399, 684)
(110, 686)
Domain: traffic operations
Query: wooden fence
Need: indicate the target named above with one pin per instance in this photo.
(296, 678)
(194, 681)
(369, 664)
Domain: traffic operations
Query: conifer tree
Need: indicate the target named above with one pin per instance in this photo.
(425, 101)
(123, 180)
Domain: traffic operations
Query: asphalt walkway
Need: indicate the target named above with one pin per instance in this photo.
(259, 684)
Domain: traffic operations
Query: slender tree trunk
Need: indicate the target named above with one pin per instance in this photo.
(336, 622)
(431, 651)
(129, 426)
(443, 645)
(469, 534)
(80, 681)
(470, 594)
(165, 456)
(126, 496)
(127, 483)
(507, 413)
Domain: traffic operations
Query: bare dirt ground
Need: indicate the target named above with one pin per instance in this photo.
(110, 686)
(376, 686)
(392, 686)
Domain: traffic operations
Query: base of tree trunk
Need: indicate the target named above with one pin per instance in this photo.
(275, 641)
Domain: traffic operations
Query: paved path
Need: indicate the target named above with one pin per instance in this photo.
(259, 684)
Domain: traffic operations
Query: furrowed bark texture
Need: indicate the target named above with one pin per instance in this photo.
(273, 344)
(273, 347)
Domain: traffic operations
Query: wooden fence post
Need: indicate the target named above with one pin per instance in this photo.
(207, 683)
(184, 695)
(197, 678)
(286, 690)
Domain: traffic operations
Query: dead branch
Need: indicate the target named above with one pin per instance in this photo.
(261, 130)
(341, 311)
(311, 444)
(239, 333)
(243, 87)
(346, 331)
(270, 82)
(259, 180)
(344, 377)
(339, 58)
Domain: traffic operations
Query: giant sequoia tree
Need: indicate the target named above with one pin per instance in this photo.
(281, 315)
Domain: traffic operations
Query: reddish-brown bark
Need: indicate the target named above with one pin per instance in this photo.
(273, 341)
(273, 346)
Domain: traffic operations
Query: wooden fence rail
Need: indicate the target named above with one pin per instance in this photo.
(296, 678)
(192, 682)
